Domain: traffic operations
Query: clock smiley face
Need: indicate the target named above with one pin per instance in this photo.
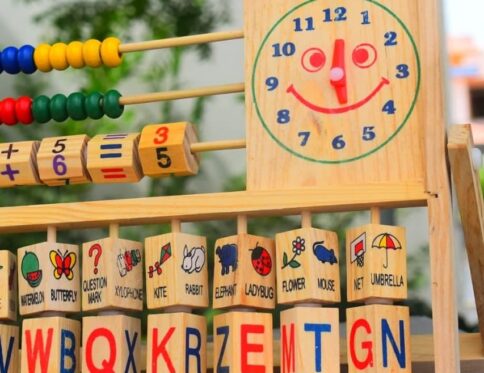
(336, 81)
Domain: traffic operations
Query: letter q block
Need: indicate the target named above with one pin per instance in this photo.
(8, 290)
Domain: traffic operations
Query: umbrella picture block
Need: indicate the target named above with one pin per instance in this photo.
(387, 242)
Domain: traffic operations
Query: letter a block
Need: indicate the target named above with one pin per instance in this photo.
(307, 266)
(112, 275)
(50, 344)
(18, 164)
(243, 342)
(378, 339)
(8, 290)
(310, 340)
(376, 263)
(9, 354)
(49, 278)
(244, 273)
(111, 344)
(176, 271)
(176, 343)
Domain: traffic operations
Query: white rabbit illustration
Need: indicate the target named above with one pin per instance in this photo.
(193, 260)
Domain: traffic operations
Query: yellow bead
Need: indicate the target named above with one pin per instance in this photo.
(91, 52)
(74, 55)
(110, 52)
(41, 58)
(57, 56)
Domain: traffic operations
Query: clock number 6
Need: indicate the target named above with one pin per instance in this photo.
(283, 116)
(339, 143)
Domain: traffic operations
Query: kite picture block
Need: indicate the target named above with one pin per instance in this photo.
(9, 288)
(9, 352)
(18, 165)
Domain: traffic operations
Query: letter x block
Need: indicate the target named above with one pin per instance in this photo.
(9, 343)
(8, 290)
(18, 164)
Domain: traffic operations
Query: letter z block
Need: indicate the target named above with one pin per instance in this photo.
(8, 290)
(9, 353)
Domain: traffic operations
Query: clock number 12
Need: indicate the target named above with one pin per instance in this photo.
(339, 14)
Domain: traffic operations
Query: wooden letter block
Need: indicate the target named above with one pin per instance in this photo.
(376, 262)
(50, 344)
(111, 344)
(176, 271)
(244, 272)
(378, 339)
(112, 275)
(8, 288)
(9, 343)
(310, 340)
(164, 149)
(114, 158)
(176, 343)
(62, 160)
(243, 342)
(49, 278)
(18, 164)
(307, 266)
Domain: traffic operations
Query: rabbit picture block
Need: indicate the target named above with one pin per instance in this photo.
(193, 260)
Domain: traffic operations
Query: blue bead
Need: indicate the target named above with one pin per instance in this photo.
(26, 59)
(1, 66)
(9, 60)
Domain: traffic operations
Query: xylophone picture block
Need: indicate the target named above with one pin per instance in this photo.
(8, 290)
(376, 262)
(378, 339)
(9, 353)
(18, 165)
(307, 266)
(50, 344)
(164, 149)
(176, 343)
(111, 344)
(112, 275)
(49, 278)
(176, 271)
(114, 158)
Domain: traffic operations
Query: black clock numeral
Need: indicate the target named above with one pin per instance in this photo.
(369, 133)
(339, 14)
(287, 49)
(389, 107)
(391, 39)
(306, 24)
(283, 116)
(304, 137)
(339, 143)
(366, 18)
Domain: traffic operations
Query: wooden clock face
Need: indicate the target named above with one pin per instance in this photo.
(342, 81)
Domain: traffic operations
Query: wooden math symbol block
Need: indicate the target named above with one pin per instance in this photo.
(50, 344)
(310, 340)
(62, 160)
(378, 339)
(307, 266)
(177, 342)
(49, 278)
(164, 149)
(376, 262)
(114, 158)
(9, 352)
(243, 342)
(18, 165)
(111, 344)
(176, 271)
(244, 272)
(9, 287)
(112, 275)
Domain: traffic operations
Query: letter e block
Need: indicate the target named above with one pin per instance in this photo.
(9, 353)
(18, 165)
(8, 290)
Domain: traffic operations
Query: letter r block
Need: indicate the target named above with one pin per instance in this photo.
(8, 290)
(9, 353)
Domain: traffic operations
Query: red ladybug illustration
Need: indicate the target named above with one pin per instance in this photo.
(261, 260)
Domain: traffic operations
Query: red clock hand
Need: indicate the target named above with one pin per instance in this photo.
(338, 71)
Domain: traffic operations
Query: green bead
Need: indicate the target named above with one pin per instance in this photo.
(112, 107)
(41, 109)
(94, 105)
(58, 108)
(75, 106)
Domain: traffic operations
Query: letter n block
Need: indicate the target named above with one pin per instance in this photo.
(8, 290)
(243, 342)
(310, 340)
(50, 344)
(378, 339)
(176, 343)
(18, 164)
(111, 344)
(9, 353)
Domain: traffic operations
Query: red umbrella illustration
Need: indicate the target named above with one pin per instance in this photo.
(386, 241)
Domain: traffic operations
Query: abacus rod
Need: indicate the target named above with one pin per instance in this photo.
(375, 215)
(218, 145)
(181, 41)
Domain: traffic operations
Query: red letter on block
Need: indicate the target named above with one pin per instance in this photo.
(107, 365)
(156, 350)
(38, 351)
(288, 350)
(246, 348)
(367, 345)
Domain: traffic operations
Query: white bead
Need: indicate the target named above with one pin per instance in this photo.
(477, 158)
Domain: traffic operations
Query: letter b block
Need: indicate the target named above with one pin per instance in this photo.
(9, 354)
(8, 290)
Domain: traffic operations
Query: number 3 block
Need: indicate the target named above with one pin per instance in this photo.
(164, 149)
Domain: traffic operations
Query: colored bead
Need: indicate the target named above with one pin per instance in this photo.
(10, 61)
(57, 56)
(112, 107)
(8, 112)
(58, 108)
(41, 58)
(41, 109)
(110, 52)
(91, 52)
(94, 105)
(26, 59)
(74, 55)
(75, 106)
(23, 110)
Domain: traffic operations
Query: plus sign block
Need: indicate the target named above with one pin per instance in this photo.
(9, 288)
(18, 164)
(9, 353)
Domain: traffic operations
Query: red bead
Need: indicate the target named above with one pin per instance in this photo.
(23, 110)
(7, 112)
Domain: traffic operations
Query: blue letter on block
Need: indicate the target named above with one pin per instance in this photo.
(131, 347)
(386, 332)
(225, 331)
(4, 366)
(68, 351)
(195, 351)
(318, 330)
